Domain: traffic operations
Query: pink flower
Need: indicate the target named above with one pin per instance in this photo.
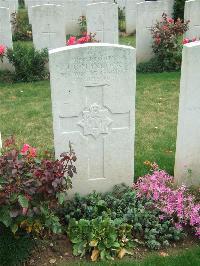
(25, 148)
(2, 50)
(170, 20)
(186, 40)
(71, 41)
(24, 211)
(194, 39)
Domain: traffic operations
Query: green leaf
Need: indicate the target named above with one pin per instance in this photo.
(61, 197)
(23, 201)
(14, 228)
(5, 216)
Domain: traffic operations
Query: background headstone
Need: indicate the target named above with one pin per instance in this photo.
(93, 102)
(130, 15)
(102, 19)
(147, 15)
(187, 161)
(5, 35)
(48, 26)
(11, 4)
(192, 13)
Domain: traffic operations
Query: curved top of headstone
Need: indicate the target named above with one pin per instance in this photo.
(82, 46)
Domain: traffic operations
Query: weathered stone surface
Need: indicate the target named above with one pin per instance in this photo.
(187, 161)
(192, 13)
(93, 95)
(102, 19)
(147, 15)
(31, 3)
(130, 15)
(48, 26)
(5, 35)
(11, 4)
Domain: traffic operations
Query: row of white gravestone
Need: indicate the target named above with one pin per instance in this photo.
(48, 24)
(93, 104)
(72, 11)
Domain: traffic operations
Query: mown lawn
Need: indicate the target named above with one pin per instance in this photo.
(190, 257)
(25, 111)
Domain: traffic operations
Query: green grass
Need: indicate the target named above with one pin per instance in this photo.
(25, 111)
(128, 40)
(190, 257)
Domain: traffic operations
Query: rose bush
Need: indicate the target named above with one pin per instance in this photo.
(167, 46)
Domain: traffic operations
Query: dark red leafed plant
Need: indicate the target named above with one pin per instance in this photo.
(28, 182)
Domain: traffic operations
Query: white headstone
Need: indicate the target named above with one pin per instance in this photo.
(187, 161)
(130, 15)
(93, 101)
(102, 19)
(192, 13)
(48, 26)
(31, 3)
(169, 7)
(73, 11)
(147, 15)
(5, 35)
(11, 4)
(84, 4)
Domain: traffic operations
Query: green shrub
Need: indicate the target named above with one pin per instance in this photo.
(21, 28)
(153, 65)
(179, 6)
(29, 63)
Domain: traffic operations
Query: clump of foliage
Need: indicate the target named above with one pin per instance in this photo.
(121, 16)
(14, 251)
(83, 25)
(32, 188)
(176, 203)
(179, 6)
(167, 46)
(29, 63)
(121, 206)
(153, 65)
(101, 237)
(21, 28)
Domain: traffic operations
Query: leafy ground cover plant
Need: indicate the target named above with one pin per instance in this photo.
(175, 202)
(122, 206)
(31, 188)
(101, 237)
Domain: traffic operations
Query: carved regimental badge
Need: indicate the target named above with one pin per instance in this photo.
(95, 121)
